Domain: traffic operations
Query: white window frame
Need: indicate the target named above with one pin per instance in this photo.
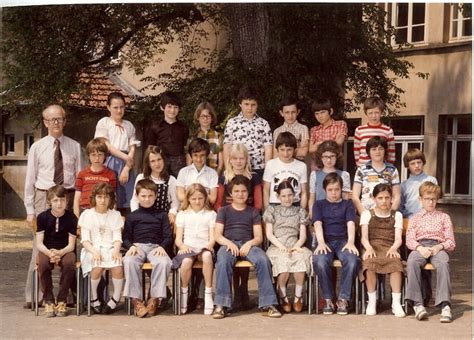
(460, 19)
(409, 24)
(454, 138)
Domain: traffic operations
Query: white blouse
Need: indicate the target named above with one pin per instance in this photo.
(197, 226)
(102, 230)
(122, 135)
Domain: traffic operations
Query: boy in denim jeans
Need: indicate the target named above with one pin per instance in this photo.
(333, 220)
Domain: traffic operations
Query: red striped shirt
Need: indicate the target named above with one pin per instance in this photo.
(362, 135)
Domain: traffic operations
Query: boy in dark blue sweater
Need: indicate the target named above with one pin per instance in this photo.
(147, 233)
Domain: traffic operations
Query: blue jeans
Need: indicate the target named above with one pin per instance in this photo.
(322, 264)
(225, 268)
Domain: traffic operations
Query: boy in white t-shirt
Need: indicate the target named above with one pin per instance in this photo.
(285, 167)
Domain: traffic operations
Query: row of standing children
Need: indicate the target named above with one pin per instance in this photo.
(287, 144)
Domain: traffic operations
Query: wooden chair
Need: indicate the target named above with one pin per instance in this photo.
(36, 286)
(314, 287)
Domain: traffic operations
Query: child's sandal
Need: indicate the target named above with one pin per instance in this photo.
(96, 309)
(110, 310)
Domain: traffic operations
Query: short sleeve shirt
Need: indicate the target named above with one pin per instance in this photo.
(367, 215)
(121, 135)
(334, 217)
(87, 179)
(238, 224)
(102, 230)
(254, 133)
(196, 226)
(276, 172)
(369, 177)
(188, 175)
(56, 229)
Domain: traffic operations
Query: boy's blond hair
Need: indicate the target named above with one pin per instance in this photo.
(413, 154)
(430, 188)
(372, 102)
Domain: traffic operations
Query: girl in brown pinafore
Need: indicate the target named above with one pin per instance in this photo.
(381, 237)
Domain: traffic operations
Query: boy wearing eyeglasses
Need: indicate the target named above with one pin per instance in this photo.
(430, 236)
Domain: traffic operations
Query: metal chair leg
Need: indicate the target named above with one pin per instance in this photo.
(178, 285)
(404, 294)
(89, 289)
(35, 290)
(309, 293)
(363, 298)
(357, 296)
(316, 295)
(78, 291)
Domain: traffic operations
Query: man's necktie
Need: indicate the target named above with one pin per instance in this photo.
(58, 164)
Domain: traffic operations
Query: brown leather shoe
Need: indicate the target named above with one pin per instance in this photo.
(285, 304)
(140, 308)
(298, 304)
(151, 306)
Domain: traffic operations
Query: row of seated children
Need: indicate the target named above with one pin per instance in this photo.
(238, 231)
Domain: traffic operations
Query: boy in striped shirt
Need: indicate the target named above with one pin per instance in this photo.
(373, 108)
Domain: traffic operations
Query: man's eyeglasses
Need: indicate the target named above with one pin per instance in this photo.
(55, 120)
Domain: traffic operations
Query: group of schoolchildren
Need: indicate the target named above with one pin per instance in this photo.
(232, 194)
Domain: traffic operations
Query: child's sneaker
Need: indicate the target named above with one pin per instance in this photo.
(49, 310)
(420, 312)
(328, 308)
(61, 309)
(342, 307)
(398, 311)
(446, 316)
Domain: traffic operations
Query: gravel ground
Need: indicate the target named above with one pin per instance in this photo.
(16, 322)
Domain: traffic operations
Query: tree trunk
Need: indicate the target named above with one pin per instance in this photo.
(249, 26)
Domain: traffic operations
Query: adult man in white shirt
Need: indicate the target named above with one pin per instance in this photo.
(54, 159)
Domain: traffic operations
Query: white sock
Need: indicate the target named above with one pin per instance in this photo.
(298, 291)
(94, 285)
(118, 285)
(208, 300)
(184, 297)
(372, 297)
(282, 291)
(396, 299)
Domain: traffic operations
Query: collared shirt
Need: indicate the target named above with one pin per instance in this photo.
(369, 177)
(322, 133)
(362, 135)
(196, 227)
(255, 133)
(214, 139)
(433, 225)
(171, 138)
(409, 200)
(40, 167)
(188, 175)
(121, 135)
(298, 130)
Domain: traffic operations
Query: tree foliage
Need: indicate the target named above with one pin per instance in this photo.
(340, 51)
(44, 48)
(313, 51)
